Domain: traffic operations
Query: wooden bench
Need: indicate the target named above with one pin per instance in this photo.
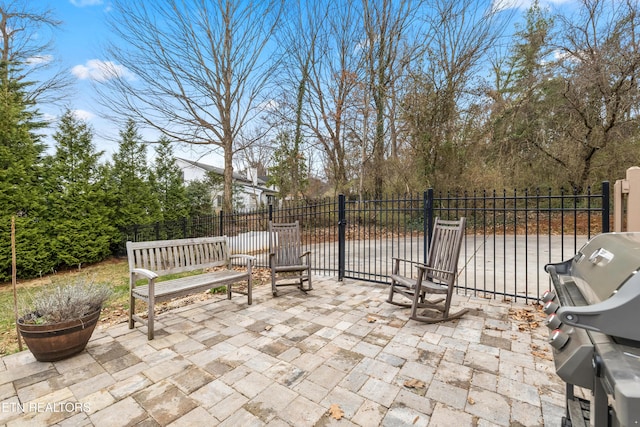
(150, 260)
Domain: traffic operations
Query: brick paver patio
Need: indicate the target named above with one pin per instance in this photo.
(290, 360)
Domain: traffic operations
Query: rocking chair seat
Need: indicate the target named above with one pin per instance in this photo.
(290, 268)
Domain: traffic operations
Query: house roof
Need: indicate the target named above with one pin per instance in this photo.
(261, 181)
(220, 171)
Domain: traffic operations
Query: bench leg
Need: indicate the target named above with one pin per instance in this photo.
(249, 295)
(150, 324)
(150, 312)
(132, 310)
(229, 291)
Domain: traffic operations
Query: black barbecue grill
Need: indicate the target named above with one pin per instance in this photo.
(594, 317)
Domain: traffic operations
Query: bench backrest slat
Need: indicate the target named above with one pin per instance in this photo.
(174, 256)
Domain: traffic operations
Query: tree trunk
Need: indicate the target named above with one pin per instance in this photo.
(227, 205)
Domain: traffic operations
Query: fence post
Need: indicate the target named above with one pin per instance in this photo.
(626, 201)
(221, 224)
(270, 211)
(342, 223)
(427, 222)
(605, 206)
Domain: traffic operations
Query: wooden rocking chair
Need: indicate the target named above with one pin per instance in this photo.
(287, 261)
(438, 276)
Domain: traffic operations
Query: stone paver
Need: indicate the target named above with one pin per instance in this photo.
(285, 361)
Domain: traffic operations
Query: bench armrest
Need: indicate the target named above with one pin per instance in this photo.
(144, 272)
(248, 258)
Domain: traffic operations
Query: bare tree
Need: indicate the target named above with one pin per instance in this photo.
(390, 47)
(26, 49)
(461, 34)
(303, 23)
(334, 73)
(198, 68)
(601, 62)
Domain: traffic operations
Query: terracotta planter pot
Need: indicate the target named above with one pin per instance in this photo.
(58, 341)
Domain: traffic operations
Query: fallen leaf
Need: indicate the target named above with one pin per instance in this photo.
(413, 383)
(268, 327)
(371, 319)
(336, 412)
(471, 401)
(542, 355)
(415, 420)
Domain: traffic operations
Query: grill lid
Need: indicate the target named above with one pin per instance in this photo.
(605, 271)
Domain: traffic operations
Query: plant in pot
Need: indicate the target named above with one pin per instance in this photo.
(59, 319)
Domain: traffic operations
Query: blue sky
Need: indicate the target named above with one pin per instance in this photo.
(79, 47)
(79, 44)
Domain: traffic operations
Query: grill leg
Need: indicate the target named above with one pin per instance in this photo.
(600, 405)
(569, 396)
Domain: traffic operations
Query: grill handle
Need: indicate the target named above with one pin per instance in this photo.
(614, 316)
(558, 268)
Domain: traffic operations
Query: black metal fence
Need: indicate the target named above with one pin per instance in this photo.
(510, 236)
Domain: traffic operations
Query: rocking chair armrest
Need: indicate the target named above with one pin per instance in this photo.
(395, 264)
(408, 261)
(438, 270)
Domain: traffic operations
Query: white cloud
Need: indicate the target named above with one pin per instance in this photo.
(498, 5)
(41, 59)
(83, 3)
(98, 70)
(270, 105)
(49, 118)
(83, 115)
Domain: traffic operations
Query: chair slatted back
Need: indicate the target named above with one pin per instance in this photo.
(444, 249)
(176, 256)
(284, 242)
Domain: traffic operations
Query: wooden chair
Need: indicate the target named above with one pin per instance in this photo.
(438, 276)
(287, 261)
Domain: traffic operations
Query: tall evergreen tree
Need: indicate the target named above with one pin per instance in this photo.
(134, 200)
(199, 198)
(289, 171)
(528, 99)
(168, 182)
(21, 194)
(81, 227)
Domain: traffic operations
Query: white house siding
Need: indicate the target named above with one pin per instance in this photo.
(253, 192)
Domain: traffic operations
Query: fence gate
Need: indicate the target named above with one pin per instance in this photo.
(373, 232)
